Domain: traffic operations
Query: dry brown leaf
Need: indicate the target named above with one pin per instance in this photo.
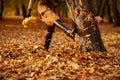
(73, 65)
(1, 59)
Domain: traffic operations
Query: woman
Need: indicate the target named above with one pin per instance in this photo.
(48, 16)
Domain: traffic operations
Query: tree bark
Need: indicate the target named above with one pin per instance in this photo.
(102, 8)
(83, 15)
(24, 11)
(17, 10)
(97, 6)
(1, 8)
(115, 13)
(109, 12)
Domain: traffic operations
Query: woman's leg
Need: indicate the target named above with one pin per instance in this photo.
(48, 37)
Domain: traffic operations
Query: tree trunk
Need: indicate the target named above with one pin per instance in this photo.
(24, 11)
(83, 15)
(1, 8)
(97, 4)
(61, 8)
(115, 13)
(17, 10)
(102, 8)
(109, 12)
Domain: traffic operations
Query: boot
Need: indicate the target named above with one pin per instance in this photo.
(47, 41)
(60, 25)
(49, 37)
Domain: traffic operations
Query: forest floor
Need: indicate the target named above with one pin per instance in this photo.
(22, 56)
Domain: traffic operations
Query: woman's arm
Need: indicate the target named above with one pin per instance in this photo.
(30, 5)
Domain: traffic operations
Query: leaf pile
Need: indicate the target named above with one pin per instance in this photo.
(22, 57)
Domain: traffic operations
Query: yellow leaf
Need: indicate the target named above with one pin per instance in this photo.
(91, 70)
(29, 21)
(89, 16)
(36, 46)
(88, 35)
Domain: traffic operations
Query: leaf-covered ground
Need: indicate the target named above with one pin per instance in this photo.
(22, 56)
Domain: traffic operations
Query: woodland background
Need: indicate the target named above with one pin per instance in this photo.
(22, 55)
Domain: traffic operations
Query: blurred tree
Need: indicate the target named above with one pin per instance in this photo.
(112, 8)
(116, 15)
(1, 8)
(24, 11)
(20, 5)
(97, 4)
(62, 9)
(17, 9)
(83, 15)
(109, 12)
(102, 8)
(24, 8)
